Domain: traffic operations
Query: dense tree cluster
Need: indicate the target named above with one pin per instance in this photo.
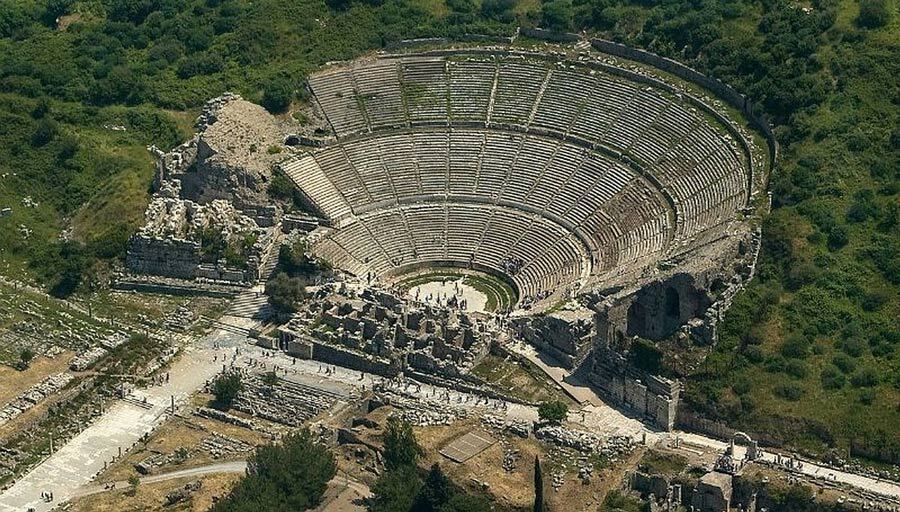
(290, 475)
(402, 489)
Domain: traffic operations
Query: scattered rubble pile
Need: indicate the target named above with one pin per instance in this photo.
(10, 459)
(612, 447)
(87, 358)
(33, 396)
(44, 327)
(377, 331)
(288, 403)
(219, 445)
(160, 361)
(423, 412)
(183, 494)
(520, 428)
(181, 318)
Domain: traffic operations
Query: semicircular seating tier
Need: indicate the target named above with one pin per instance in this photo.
(553, 175)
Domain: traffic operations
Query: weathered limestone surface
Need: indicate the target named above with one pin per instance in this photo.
(567, 335)
(233, 160)
(376, 331)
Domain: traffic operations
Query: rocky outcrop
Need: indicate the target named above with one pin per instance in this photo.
(237, 145)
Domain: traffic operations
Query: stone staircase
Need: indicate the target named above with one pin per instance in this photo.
(251, 304)
(268, 269)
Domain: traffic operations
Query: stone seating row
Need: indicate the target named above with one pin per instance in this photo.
(595, 106)
(481, 234)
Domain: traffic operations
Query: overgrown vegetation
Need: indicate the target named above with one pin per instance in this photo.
(296, 260)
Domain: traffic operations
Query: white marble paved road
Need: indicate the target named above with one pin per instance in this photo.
(78, 462)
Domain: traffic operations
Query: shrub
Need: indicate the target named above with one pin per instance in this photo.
(832, 378)
(852, 346)
(844, 363)
(45, 132)
(557, 15)
(775, 364)
(867, 396)
(873, 13)
(553, 411)
(795, 347)
(277, 94)
(25, 357)
(864, 378)
(754, 354)
(838, 237)
(796, 368)
(741, 385)
(789, 392)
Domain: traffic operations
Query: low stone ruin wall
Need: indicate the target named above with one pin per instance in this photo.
(163, 257)
(565, 335)
(342, 357)
(175, 287)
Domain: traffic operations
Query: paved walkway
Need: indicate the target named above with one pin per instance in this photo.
(78, 462)
(807, 468)
(239, 466)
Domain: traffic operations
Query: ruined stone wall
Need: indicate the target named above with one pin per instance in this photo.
(652, 397)
(167, 257)
(358, 361)
(565, 335)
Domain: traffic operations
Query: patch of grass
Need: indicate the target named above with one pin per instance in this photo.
(518, 380)
(500, 295)
(658, 463)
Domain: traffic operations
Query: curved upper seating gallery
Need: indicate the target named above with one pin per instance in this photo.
(624, 171)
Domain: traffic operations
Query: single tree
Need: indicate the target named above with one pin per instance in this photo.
(291, 475)
(26, 356)
(538, 486)
(226, 388)
(395, 490)
(553, 411)
(435, 492)
(466, 503)
(873, 13)
(270, 379)
(285, 293)
(133, 482)
(400, 446)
